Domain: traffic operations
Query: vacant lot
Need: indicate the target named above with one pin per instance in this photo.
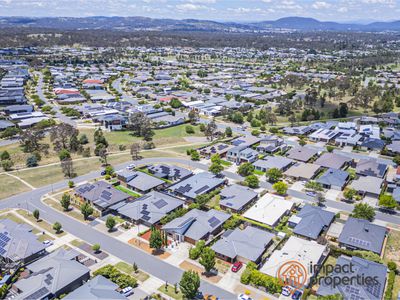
(392, 249)
(10, 186)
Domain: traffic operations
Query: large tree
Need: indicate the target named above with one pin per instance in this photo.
(31, 141)
(86, 210)
(211, 130)
(274, 175)
(189, 284)
(207, 259)
(135, 150)
(155, 240)
(65, 201)
(141, 125)
(245, 169)
(363, 211)
(65, 136)
(66, 163)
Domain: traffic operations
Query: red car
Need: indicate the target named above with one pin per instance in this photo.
(236, 266)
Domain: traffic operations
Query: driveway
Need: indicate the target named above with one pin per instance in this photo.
(332, 195)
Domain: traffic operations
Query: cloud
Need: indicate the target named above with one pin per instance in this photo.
(190, 7)
(321, 5)
(343, 9)
(203, 1)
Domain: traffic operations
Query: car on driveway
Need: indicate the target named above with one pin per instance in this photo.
(236, 266)
(127, 291)
(244, 297)
(287, 291)
(297, 295)
(131, 166)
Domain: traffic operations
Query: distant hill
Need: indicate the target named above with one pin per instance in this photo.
(144, 23)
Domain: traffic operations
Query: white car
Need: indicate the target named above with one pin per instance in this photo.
(127, 291)
(48, 242)
(287, 291)
(131, 167)
(244, 297)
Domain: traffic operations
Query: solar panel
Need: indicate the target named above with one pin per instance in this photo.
(202, 189)
(146, 218)
(38, 294)
(145, 212)
(2, 251)
(160, 203)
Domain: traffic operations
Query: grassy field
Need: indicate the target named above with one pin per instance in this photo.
(128, 269)
(10, 186)
(72, 213)
(43, 224)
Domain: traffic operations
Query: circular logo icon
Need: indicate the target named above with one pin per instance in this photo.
(292, 273)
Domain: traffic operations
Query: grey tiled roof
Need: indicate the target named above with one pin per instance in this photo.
(357, 290)
(333, 177)
(168, 171)
(236, 196)
(143, 181)
(332, 160)
(301, 153)
(97, 288)
(270, 162)
(363, 235)
(249, 243)
(370, 167)
(149, 208)
(313, 220)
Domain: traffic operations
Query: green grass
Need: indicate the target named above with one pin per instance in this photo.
(44, 237)
(258, 172)
(12, 217)
(170, 291)
(76, 243)
(128, 191)
(128, 269)
(43, 224)
(396, 287)
(72, 213)
(226, 163)
(17, 186)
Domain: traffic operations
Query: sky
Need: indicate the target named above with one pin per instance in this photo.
(220, 10)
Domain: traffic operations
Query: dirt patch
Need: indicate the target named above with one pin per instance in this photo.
(87, 248)
(210, 277)
(145, 247)
(392, 249)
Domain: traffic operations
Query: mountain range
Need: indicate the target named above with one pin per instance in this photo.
(143, 23)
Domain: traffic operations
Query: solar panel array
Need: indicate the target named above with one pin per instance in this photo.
(354, 293)
(48, 279)
(4, 239)
(160, 203)
(374, 289)
(86, 188)
(184, 189)
(359, 242)
(38, 294)
(202, 189)
(213, 222)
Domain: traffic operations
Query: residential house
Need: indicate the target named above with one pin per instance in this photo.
(169, 172)
(269, 162)
(334, 179)
(393, 148)
(348, 139)
(303, 171)
(333, 161)
(269, 209)
(101, 194)
(296, 249)
(299, 130)
(139, 181)
(51, 276)
(368, 186)
(196, 225)
(359, 234)
(148, 209)
(198, 184)
(242, 153)
(271, 144)
(98, 288)
(247, 245)
(303, 154)
(311, 221)
(372, 144)
(370, 167)
(219, 148)
(356, 289)
(236, 198)
(323, 135)
(18, 244)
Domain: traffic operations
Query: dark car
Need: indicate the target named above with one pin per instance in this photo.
(103, 173)
(236, 266)
(297, 295)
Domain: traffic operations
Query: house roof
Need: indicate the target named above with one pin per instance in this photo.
(142, 181)
(363, 234)
(370, 167)
(270, 162)
(218, 148)
(373, 143)
(101, 193)
(295, 249)
(51, 274)
(355, 289)
(303, 170)
(332, 160)
(334, 177)
(17, 241)
(302, 153)
(394, 147)
(149, 208)
(236, 196)
(163, 170)
(249, 243)
(313, 220)
(269, 209)
(197, 184)
(97, 288)
(197, 223)
(368, 184)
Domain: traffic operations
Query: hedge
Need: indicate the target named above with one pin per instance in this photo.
(336, 252)
(390, 285)
(254, 277)
(121, 279)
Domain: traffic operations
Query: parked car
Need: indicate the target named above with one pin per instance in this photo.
(48, 242)
(297, 295)
(127, 291)
(311, 194)
(103, 173)
(131, 166)
(244, 297)
(210, 297)
(236, 266)
(287, 290)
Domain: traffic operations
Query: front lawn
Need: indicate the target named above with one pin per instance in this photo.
(170, 291)
(128, 191)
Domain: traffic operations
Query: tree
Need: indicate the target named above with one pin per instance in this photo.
(216, 158)
(216, 168)
(280, 187)
(193, 116)
(194, 155)
(396, 159)
(135, 267)
(64, 136)
(7, 164)
(96, 248)
(274, 175)
(189, 129)
(30, 140)
(211, 129)
(363, 211)
(66, 163)
(302, 141)
(314, 186)
(292, 119)
(330, 148)
(349, 193)
(387, 201)
(228, 131)
(103, 155)
(110, 223)
(9, 132)
(57, 227)
(86, 210)
(245, 169)
(83, 139)
(343, 110)
(65, 201)
(31, 161)
(5, 155)
(320, 199)
(175, 103)
(140, 124)
(207, 259)
(155, 240)
(252, 181)
(135, 150)
(36, 214)
(189, 284)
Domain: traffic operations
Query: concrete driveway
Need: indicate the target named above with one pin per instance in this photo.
(332, 195)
